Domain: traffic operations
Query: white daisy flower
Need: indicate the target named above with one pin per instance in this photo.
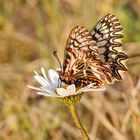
(50, 85)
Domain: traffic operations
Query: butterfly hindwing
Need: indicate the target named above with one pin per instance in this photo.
(108, 34)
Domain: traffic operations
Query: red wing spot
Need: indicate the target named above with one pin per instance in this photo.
(102, 78)
(67, 62)
(88, 55)
(99, 70)
(69, 49)
(74, 55)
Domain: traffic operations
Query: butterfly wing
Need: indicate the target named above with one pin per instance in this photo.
(82, 61)
(108, 35)
(79, 40)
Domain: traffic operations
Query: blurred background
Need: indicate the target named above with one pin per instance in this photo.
(30, 30)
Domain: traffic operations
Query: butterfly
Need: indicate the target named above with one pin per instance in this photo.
(94, 56)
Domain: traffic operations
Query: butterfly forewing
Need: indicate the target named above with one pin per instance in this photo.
(79, 40)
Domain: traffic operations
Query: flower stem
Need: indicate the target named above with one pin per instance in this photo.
(78, 122)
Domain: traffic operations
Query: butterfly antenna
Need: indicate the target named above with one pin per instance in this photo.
(56, 56)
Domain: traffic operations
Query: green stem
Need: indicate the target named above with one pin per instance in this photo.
(78, 122)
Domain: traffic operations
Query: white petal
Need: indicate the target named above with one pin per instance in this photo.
(62, 92)
(71, 89)
(41, 80)
(41, 89)
(45, 94)
(54, 77)
(35, 88)
(36, 72)
(43, 73)
(44, 82)
(49, 91)
(50, 85)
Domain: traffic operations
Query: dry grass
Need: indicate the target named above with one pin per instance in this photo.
(29, 32)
